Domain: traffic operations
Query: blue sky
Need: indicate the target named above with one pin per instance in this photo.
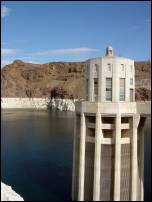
(42, 32)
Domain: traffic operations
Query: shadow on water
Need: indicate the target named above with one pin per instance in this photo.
(37, 154)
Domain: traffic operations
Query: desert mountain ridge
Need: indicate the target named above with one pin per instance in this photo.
(60, 79)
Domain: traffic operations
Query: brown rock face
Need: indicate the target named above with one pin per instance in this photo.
(143, 80)
(60, 79)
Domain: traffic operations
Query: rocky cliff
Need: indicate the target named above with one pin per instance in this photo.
(60, 79)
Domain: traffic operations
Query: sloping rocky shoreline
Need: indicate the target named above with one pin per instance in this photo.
(38, 103)
(8, 194)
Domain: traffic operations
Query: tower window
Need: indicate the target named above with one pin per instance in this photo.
(96, 67)
(109, 67)
(131, 95)
(131, 68)
(110, 51)
(95, 89)
(87, 88)
(87, 69)
(109, 89)
(122, 89)
(131, 81)
(122, 67)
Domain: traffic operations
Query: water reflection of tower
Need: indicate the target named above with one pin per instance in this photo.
(108, 158)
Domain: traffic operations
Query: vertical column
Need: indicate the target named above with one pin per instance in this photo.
(103, 81)
(134, 162)
(97, 157)
(74, 158)
(117, 158)
(82, 158)
(142, 166)
(142, 162)
(115, 81)
(100, 82)
(127, 83)
(133, 81)
(87, 76)
(91, 83)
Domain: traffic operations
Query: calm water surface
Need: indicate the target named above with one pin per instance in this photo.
(37, 151)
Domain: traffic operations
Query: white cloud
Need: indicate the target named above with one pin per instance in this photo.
(67, 51)
(30, 61)
(6, 62)
(27, 59)
(7, 51)
(4, 11)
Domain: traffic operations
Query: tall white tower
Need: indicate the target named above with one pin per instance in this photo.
(108, 157)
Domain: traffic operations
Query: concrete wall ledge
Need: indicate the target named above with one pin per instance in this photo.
(112, 108)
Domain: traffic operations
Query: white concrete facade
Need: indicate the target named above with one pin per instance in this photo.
(114, 68)
(108, 135)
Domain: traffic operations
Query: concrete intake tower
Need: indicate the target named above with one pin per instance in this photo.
(108, 157)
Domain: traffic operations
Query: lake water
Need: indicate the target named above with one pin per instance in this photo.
(36, 154)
